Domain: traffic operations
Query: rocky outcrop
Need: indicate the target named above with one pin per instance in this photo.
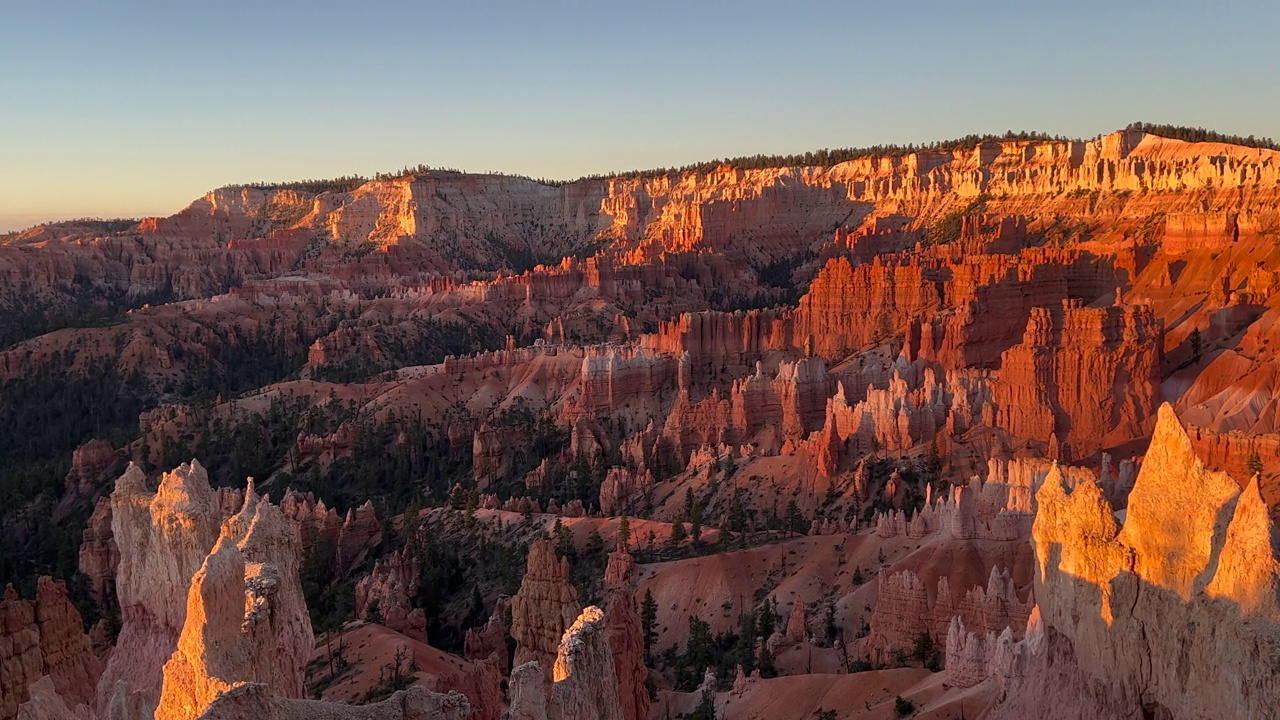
(585, 686)
(44, 640)
(98, 553)
(626, 636)
(388, 593)
(527, 689)
(68, 658)
(163, 539)
(966, 656)
(616, 375)
(352, 534)
(1174, 615)
(252, 623)
(849, 307)
(545, 606)
(1185, 231)
(623, 490)
(22, 662)
(210, 653)
(972, 658)
(997, 508)
(481, 684)
(492, 451)
(246, 633)
(246, 619)
(912, 409)
(903, 612)
(490, 640)
(714, 341)
(797, 629)
(46, 704)
(1089, 377)
(802, 389)
(755, 403)
(90, 464)
(311, 520)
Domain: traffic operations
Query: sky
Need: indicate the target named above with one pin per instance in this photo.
(132, 108)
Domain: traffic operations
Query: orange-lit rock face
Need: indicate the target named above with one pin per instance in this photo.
(1175, 610)
(1089, 377)
(163, 539)
(585, 682)
(1174, 525)
(847, 308)
(210, 654)
(246, 619)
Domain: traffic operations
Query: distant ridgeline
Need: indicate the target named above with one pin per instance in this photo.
(1198, 134)
(825, 157)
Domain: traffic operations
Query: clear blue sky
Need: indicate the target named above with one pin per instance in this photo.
(139, 108)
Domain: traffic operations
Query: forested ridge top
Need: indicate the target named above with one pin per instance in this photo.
(824, 157)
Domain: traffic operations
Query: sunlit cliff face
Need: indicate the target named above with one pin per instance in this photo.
(985, 412)
(1194, 562)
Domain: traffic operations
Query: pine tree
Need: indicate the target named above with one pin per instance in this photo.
(594, 546)
(677, 535)
(475, 613)
(746, 654)
(624, 532)
(795, 521)
(764, 620)
(737, 518)
(700, 648)
(923, 646)
(411, 521)
(933, 462)
(766, 665)
(649, 622)
(564, 541)
(1254, 465)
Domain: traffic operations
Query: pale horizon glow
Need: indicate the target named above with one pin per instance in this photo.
(137, 111)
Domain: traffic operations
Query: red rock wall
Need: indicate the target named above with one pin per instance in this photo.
(44, 636)
(1087, 376)
(849, 307)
